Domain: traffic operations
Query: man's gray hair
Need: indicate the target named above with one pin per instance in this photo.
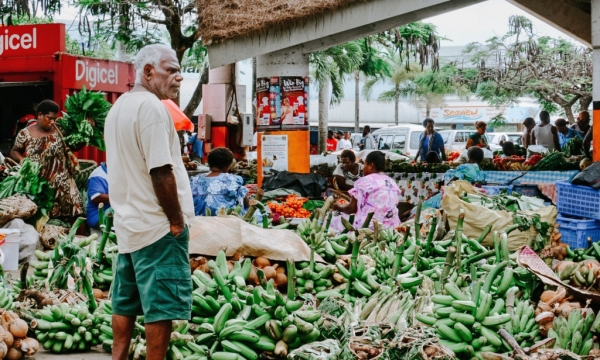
(149, 55)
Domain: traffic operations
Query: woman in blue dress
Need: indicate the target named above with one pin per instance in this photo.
(218, 191)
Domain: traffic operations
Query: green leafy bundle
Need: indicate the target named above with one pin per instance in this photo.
(80, 107)
(26, 179)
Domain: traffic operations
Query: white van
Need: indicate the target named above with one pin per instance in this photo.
(403, 138)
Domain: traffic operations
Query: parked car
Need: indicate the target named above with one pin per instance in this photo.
(499, 137)
(403, 138)
(455, 139)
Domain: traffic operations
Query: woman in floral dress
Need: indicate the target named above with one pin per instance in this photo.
(43, 143)
(374, 192)
(218, 191)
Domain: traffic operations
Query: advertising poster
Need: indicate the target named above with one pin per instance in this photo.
(274, 153)
(268, 104)
(294, 100)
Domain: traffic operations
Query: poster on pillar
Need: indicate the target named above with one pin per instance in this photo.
(294, 103)
(268, 108)
(274, 153)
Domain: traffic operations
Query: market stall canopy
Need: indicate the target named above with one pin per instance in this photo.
(241, 29)
(180, 120)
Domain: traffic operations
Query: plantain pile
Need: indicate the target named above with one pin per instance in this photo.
(63, 328)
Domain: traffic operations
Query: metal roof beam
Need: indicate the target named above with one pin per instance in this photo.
(356, 21)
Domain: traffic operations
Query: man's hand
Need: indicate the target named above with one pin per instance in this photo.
(177, 229)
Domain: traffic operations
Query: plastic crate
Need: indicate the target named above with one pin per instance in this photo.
(527, 190)
(577, 200)
(575, 231)
(496, 189)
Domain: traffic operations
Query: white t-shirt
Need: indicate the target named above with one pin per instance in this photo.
(343, 144)
(140, 136)
(350, 178)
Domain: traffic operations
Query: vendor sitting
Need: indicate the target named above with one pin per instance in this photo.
(97, 194)
(469, 172)
(218, 191)
(375, 192)
(348, 171)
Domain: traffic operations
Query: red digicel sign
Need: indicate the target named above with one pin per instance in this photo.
(31, 40)
(95, 74)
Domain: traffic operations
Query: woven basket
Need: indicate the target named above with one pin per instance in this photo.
(16, 206)
(50, 235)
(86, 167)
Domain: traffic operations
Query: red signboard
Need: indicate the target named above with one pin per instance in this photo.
(31, 40)
(96, 74)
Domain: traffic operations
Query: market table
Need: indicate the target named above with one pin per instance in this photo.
(545, 180)
(531, 177)
(418, 186)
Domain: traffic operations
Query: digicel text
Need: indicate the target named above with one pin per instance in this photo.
(96, 74)
(16, 41)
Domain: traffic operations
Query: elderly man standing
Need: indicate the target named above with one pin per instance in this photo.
(151, 196)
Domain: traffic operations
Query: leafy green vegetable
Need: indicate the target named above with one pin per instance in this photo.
(26, 179)
(80, 107)
(573, 147)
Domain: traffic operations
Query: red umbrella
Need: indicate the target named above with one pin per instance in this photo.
(179, 119)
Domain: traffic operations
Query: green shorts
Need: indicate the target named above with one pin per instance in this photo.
(155, 281)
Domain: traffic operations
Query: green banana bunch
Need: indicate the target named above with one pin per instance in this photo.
(63, 328)
(576, 333)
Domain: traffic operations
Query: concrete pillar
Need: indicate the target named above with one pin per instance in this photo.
(596, 76)
(287, 62)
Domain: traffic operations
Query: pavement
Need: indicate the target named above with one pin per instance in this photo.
(94, 354)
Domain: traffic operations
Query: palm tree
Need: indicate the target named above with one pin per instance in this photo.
(430, 88)
(400, 79)
(330, 68)
(373, 65)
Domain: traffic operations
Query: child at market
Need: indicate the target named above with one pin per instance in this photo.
(508, 149)
(433, 158)
(470, 171)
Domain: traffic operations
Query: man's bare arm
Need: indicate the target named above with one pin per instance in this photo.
(165, 188)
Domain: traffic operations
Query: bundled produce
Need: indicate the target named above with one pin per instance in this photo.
(582, 274)
(291, 207)
(553, 161)
(68, 259)
(6, 298)
(573, 147)
(25, 179)
(405, 166)
(103, 258)
(576, 332)
(64, 328)
(83, 123)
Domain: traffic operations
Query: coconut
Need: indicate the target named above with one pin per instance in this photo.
(18, 328)
(544, 317)
(547, 295)
(30, 346)
(14, 354)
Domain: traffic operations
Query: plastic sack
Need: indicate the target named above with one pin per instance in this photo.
(464, 157)
(307, 185)
(590, 176)
(28, 239)
(536, 150)
(478, 217)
